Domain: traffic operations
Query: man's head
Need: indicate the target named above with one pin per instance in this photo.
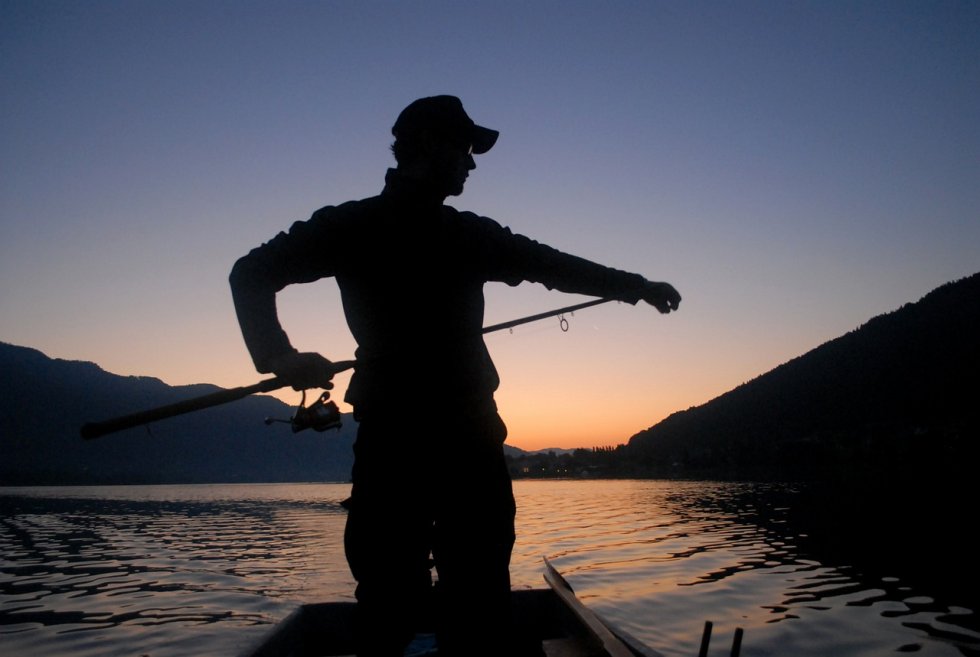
(435, 139)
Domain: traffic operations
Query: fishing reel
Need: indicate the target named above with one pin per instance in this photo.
(321, 415)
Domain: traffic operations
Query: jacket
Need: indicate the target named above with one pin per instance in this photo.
(411, 272)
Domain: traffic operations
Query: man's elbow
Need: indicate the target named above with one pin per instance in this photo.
(242, 274)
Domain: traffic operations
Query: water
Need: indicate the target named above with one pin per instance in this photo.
(204, 570)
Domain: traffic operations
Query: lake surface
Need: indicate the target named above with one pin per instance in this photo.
(204, 570)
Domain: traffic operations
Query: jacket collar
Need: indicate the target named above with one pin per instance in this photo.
(410, 191)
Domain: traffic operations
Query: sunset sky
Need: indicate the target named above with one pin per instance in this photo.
(793, 168)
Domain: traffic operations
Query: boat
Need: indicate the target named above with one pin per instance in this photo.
(553, 615)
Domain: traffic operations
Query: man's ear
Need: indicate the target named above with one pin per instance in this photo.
(426, 157)
(424, 153)
(428, 143)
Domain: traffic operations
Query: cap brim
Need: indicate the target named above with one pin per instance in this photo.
(483, 139)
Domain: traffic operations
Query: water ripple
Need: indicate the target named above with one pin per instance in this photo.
(177, 570)
(125, 568)
(660, 558)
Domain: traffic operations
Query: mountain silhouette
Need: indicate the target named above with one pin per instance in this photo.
(900, 393)
(45, 401)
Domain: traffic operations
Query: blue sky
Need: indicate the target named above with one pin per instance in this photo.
(794, 168)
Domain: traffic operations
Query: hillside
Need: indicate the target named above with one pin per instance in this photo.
(898, 393)
(44, 401)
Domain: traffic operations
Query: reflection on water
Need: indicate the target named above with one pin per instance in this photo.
(163, 570)
(660, 558)
(180, 570)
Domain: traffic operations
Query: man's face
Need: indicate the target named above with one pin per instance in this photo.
(451, 165)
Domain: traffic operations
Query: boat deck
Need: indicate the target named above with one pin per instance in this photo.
(553, 617)
(325, 630)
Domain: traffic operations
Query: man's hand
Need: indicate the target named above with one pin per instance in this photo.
(304, 370)
(662, 296)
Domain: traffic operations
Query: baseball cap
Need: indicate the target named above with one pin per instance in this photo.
(444, 116)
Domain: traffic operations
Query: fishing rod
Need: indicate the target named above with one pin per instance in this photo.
(551, 313)
(93, 430)
(320, 415)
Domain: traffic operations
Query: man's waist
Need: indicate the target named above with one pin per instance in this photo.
(416, 408)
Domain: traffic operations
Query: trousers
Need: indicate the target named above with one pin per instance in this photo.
(435, 494)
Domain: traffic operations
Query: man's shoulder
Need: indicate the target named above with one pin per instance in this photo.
(473, 220)
(350, 209)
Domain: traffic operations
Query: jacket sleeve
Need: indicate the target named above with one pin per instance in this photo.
(301, 255)
(517, 258)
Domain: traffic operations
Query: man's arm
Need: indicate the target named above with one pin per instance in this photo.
(255, 280)
(517, 258)
(267, 342)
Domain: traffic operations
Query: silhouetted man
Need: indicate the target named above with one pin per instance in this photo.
(429, 472)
